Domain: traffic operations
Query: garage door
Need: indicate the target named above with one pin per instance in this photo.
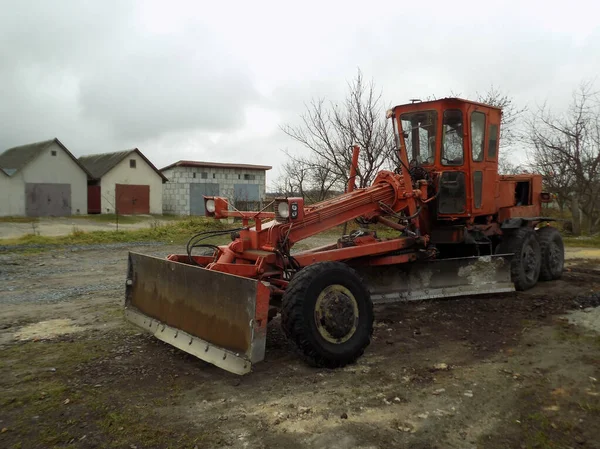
(132, 199)
(197, 193)
(43, 200)
(246, 196)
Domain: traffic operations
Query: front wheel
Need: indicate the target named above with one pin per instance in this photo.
(328, 313)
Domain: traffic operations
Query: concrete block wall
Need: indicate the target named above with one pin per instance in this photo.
(176, 192)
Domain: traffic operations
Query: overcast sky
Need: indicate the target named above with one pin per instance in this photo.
(214, 80)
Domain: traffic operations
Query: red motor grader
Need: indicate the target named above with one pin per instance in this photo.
(462, 229)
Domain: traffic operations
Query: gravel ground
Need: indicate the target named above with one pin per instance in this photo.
(518, 370)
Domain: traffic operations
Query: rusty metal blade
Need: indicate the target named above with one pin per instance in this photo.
(439, 278)
(217, 317)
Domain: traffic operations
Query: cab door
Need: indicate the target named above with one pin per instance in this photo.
(483, 172)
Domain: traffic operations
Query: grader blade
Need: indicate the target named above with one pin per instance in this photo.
(217, 317)
(440, 279)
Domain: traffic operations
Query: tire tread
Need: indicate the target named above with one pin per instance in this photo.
(294, 324)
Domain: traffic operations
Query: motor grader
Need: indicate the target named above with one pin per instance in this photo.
(459, 228)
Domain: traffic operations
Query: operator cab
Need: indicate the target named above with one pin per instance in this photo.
(453, 143)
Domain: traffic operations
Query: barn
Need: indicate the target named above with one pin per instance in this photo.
(189, 181)
(123, 182)
(42, 179)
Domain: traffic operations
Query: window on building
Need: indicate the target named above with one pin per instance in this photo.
(193, 175)
(131, 163)
(492, 141)
(204, 175)
(249, 177)
(239, 176)
(477, 135)
(53, 152)
(214, 175)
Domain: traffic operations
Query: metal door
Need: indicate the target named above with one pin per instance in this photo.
(94, 200)
(197, 193)
(132, 199)
(245, 196)
(43, 200)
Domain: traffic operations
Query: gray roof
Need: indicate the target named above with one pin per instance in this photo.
(100, 164)
(15, 159)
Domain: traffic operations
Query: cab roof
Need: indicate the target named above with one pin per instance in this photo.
(445, 100)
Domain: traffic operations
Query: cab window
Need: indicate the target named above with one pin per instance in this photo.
(419, 129)
(477, 135)
(452, 138)
(493, 142)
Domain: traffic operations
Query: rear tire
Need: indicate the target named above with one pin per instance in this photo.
(328, 313)
(527, 260)
(553, 253)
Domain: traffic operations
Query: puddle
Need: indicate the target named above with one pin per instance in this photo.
(45, 330)
(588, 318)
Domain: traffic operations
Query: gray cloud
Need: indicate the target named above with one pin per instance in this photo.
(213, 81)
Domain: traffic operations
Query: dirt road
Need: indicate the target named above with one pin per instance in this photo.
(520, 370)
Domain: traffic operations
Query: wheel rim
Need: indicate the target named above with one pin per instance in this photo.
(530, 262)
(336, 314)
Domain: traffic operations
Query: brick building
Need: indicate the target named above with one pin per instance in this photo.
(189, 181)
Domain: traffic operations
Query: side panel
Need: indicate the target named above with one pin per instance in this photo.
(47, 200)
(197, 193)
(132, 199)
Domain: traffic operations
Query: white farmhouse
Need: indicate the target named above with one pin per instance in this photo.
(42, 179)
(124, 182)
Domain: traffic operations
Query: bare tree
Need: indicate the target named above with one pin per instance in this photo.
(565, 148)
(511, 113)
(312, 179)
(506, 167)
(329, 129)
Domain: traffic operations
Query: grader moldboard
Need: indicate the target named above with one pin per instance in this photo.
(462, 229)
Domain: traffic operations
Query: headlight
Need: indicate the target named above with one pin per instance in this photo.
(210, 206)
(283, 209)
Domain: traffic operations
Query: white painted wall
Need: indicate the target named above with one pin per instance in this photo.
(142, 174)
(12, 196)
(45, 168)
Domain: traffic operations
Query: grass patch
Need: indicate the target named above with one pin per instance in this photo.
(55, 408)
(17, 358)
(583, 241)
(129, 425)
(19, 219)
(175, 232)
(112, 218)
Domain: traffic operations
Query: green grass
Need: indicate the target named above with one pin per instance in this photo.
(19, 219)
(99, 218)
(583, 241)
(175, 231)
(130, 219)
(111, 218)
(36, 412)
